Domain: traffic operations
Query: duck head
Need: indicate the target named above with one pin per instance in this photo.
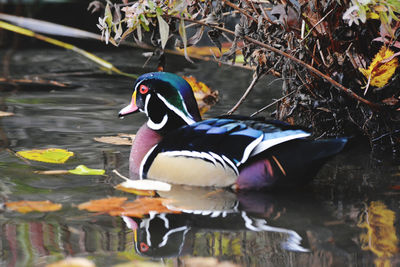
(166, 99)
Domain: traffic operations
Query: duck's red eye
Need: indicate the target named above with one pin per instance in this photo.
(143, 89)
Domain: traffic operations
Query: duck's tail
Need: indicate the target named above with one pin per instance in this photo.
(289, 164)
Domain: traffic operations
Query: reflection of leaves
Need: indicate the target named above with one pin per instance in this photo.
(381, 236)
(49, 155)
(380, 72)
(119, 207)
(73, 262)
(83, 170)
(29, 206)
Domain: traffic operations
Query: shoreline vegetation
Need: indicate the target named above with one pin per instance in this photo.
(338, 60)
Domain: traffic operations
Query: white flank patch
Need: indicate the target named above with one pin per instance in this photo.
(264, 145)
(177, 111)
(146, 184)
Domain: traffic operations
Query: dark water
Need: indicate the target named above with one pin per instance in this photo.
(348, 216)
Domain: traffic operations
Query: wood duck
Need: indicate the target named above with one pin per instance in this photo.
(176, 146)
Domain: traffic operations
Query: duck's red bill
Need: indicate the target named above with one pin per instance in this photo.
(131, 108)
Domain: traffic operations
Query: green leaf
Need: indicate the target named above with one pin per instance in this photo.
(151, 5)
(108, 15)
(83, 170)
(49, 155)
(164, 30)
(159, 11)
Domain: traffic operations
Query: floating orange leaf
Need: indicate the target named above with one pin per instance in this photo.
(143, 206)
(29, 206)
(49, 155)
(117, 206)
(380, 71)
(103, 205)
(205, 97)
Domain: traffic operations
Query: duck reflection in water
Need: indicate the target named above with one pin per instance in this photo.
(205, 214)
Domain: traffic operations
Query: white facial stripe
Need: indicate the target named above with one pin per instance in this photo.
(157, 126)
(146, 103)
(177, 111)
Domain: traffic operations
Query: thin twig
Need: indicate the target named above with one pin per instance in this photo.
(246, 93)
(271, 104)
(244, 12)
(324, 17)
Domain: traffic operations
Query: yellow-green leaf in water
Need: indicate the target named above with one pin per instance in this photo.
(83, 170)
(49, 155)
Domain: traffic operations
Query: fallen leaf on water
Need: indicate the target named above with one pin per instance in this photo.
(121, 139)
(49, 155)
(83, 170)
(207, 262)
(6, 114)
(117, 206)
(103, 205)
(72, 262)
(379, 73)
(146, 184)
(205, 97)
(149, 193)
(29, 206)
(143, 206)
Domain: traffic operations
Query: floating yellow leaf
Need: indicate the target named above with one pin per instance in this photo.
(379, 72)
(73, 262)
(83, 170)
(205, 97)
(29, 206)
(49, 155)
